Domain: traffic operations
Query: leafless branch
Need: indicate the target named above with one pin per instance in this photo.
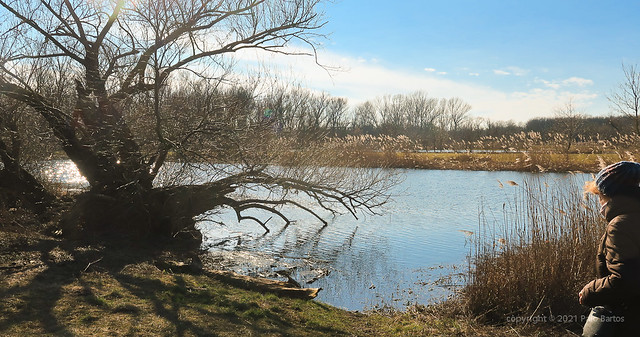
(42, 31)
(77, 21)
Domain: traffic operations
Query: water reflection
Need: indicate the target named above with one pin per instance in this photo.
(352, 270)
(62, 172)
(414, 253)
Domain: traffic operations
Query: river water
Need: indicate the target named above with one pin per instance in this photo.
(414, 252)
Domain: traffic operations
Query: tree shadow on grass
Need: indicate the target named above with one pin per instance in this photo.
(167, 301)
(34, 300)
(37, 275)
(59, 288)
(187, 306)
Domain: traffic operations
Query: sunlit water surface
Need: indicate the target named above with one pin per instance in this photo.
(414, 252)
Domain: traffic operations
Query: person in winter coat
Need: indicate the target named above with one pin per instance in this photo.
(617, 287)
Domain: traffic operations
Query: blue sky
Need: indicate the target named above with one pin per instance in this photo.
(508, 59)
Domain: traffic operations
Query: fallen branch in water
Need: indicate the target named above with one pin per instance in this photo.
(263, 284)
(259, 284)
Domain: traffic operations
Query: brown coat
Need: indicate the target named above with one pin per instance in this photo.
(618, 259)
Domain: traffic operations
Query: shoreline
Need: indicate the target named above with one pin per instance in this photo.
(53, 287)
(486, 161)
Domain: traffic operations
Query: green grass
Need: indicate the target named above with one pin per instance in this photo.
(165, 304)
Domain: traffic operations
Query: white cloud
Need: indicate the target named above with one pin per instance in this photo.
(511, 70)
(474, 74)
(569, 82)
(581, 82)
(517, 71)
(429, 70)
(549, 84)
(360, 80)
(442, 73)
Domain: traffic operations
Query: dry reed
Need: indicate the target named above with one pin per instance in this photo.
(534, 261)
(531, 152)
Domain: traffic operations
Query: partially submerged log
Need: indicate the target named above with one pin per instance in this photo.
(259, 284)
(263, 284)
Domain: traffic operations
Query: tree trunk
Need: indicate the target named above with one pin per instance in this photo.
(20, 187)
(136, 213)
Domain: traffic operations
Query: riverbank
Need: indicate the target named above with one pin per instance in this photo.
(488, 161)
(58, 288)
(523, 161)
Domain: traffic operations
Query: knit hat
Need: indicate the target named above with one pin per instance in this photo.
(619, 177)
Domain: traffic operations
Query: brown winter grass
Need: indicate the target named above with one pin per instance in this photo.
(518, 152)
(550, 162)
(533, 261)
(497, 161)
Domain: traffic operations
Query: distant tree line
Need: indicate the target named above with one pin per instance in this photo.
(429, 120)
(434, 123)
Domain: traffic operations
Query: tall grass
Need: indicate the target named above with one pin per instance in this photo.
(518, 152)
(536, 260)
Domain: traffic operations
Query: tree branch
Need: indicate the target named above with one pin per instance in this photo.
(114, 60)
(290, 202)
(42, 32)
(253, 41)
(77, 21)
(107, 27)
(60, 123)
(189, 27)
(61, 19)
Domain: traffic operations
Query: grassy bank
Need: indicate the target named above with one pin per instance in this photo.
(520, 152)
(490, 161)
(55, 288)
(350, 154)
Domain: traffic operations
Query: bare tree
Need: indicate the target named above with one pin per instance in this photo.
(569, 121)
(422, 110)
(365, 117)
(119, 51)
(392, 110)
(626, 100)
(287, 105)
(315, 117)
(422, 113)
(336, 109)
(455, 111)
